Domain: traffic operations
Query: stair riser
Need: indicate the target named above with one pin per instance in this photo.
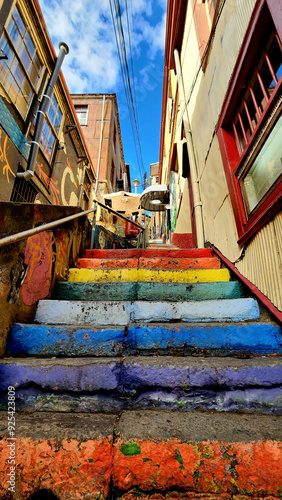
(255, 401)
(220, 340)
(100, 456)
(123, 313)
(183, 375)
(161, 276)
(163, 252)
(153, 263)
(148, 291)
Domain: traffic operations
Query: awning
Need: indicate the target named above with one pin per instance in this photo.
(123, 202)
(155, 198)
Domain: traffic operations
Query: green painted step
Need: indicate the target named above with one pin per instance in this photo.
(148, 291)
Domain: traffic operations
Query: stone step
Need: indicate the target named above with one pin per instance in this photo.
(149, 253)
(178, 339)
(186, 455)
(87, 384)
(148, 291)
(148, 275)
(150, 263)
(64, 312)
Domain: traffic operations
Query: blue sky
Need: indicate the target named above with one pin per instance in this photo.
(92, 65)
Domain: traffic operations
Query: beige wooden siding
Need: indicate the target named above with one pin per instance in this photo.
(262, 263)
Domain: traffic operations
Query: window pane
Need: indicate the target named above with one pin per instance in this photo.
(266, 168)
(17, 73)
(275, 57)
(18, 21)
(29, 45)
(14, 34)
(251, 107)
(24, 56)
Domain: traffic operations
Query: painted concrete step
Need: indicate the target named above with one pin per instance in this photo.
(148, 275)
(219, 384)
(149, 253)
(148, 291)
(150, 263)
(184, 455)
(63, 312)
(178, 339)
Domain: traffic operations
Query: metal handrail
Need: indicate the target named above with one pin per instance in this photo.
(14, 238)
(121, 216)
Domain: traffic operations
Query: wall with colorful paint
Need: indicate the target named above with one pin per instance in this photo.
(30, 268)
(63, 171)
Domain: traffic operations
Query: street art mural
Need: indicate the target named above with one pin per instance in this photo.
(6, 170)
(38, 258)
(60, 191)
(66, 246)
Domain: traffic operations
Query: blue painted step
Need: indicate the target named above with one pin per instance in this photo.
(211, 339)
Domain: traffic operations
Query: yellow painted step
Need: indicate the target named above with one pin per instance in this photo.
(115, 275)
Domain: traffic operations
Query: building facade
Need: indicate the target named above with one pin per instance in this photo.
(62, 173)
(99, 118)
(220, 150)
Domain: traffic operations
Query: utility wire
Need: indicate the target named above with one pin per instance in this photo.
(130, 96)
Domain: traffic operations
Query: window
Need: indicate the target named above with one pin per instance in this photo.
(20, 73)
(82, 113)
(249, 129)
(51, 128)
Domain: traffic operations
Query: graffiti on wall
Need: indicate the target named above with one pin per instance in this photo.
(50, 184)
(60, 192)
(7, 170)
(38, 258)
(66, 249)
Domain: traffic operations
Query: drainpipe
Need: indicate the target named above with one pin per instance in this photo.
(100, 145)
(41, 114)
(191, 154)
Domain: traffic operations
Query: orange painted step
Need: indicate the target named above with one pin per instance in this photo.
(151, 263)
(96, 263)
(135, 252)
(179, 263)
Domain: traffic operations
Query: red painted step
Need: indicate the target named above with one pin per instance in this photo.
(149, 253)
(150, 263)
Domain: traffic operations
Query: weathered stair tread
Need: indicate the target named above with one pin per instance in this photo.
(108, 374)
(208, 339)
(148, 252)
(172, 263)
(122, 313)
(61, 426)
(190, 427)
(161, 276)
(148, 291)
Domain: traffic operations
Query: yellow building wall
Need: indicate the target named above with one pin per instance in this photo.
(204, 94)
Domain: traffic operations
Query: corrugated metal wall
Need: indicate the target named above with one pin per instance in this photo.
(262, 263)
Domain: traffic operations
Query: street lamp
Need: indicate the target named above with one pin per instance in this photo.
(136, 184)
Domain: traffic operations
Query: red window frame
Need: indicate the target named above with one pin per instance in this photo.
(233, 161)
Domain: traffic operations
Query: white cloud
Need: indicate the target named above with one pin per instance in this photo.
(86, 26)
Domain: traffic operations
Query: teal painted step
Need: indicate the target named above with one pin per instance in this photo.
(148, 291)
(179, 339)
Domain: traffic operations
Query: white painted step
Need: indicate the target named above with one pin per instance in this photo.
(63, 312)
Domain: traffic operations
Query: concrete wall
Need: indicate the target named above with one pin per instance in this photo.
(30, 268)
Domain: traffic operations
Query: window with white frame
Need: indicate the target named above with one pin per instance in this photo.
(82, 113)
(20, 72)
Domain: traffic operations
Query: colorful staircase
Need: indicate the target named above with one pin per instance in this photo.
(149, 374)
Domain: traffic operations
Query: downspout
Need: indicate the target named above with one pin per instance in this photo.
(100, 145)
(191, 154)
(41, 114)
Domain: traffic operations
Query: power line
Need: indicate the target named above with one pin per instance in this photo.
(130, 95)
